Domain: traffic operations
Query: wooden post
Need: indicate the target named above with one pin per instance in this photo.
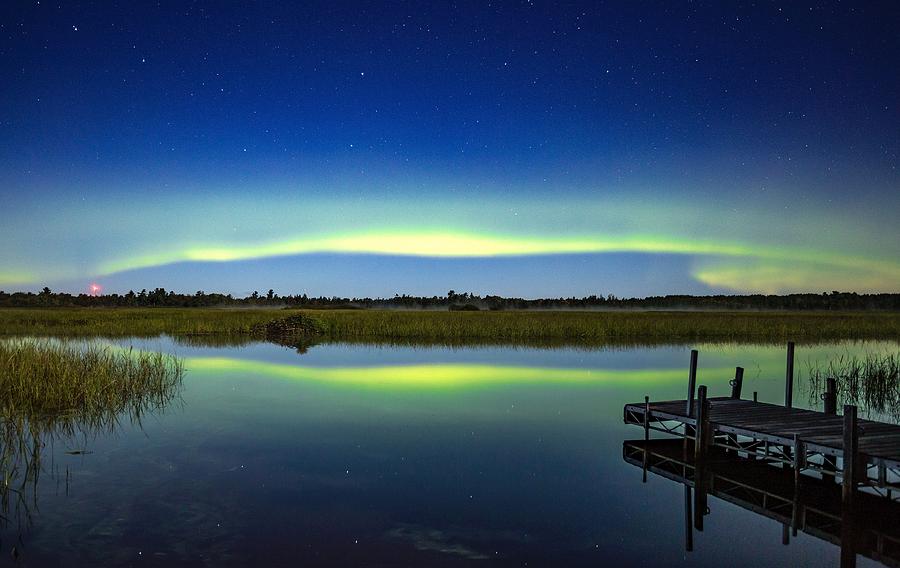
(692, 381)
(851, 461)
(699, 496)
(689, 431)
(737, 383)
(829, 463)
(755, 398)
(789, 387)
(851, 456)
(646, 418)
(789, 377)
(646, 461)
(688, 518)
(830, 397)
(700, 438)
(848, 538)
(645, 464)
(701, 432)
(799, 459)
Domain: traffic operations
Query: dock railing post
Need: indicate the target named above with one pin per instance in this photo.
(700, 438)
(646, 418)
(789, 377)
(737, 383)
(689, 407)
(688, 519)
(692, 383)
(789, 388)
(829, 463)
(799, 464)
(646, 462)
(830, 396)
(851, 456)
(702, 428)
(851, 459)
(799, 455)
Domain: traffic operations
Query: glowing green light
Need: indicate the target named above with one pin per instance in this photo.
(809, 263)
(437, 375)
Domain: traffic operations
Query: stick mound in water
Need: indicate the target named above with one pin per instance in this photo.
(287, 329)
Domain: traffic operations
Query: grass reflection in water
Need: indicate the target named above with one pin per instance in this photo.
(55, 392)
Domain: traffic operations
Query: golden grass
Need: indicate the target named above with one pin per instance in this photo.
(132, 322)
(45, 378)
(52, 391)
(594, 328)
(423, 327)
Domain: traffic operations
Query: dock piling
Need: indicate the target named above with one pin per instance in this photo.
(689, 405)
(701, 432)
(830, 396)
(692, 382)
(848, 489)
(851, 455)
(789, 377)
(737, 383)
(688, 518)
(646, 417)
(799, 455)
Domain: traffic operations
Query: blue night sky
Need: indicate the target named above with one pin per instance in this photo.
(517, 148)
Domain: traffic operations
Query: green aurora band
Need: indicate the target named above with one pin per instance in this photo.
(766, 250)
(802, 267)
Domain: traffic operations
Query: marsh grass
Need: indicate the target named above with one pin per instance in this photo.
(871, 382)
(600, 328)
(132, 322)
(56, 392)
(570, 328)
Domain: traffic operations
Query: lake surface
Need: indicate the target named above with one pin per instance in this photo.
(390, 456)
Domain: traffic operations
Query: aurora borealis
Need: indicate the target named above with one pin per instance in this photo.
(516, 148)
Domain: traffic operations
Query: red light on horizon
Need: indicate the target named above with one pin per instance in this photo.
(96, 289)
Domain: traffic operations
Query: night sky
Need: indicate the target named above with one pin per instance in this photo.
(517, 148)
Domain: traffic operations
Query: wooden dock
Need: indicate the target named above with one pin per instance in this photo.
(879, 443)
(810, 449)
(859, 452)
(764, 490)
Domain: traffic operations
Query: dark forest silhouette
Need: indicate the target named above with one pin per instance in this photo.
(160, 297)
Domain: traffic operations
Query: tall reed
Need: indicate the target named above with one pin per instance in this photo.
(871, 382)
(53, 391)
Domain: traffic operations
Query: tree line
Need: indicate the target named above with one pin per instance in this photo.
(160, 297)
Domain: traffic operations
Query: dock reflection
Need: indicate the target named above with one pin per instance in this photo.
(871, 528)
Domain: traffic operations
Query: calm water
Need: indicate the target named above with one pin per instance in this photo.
(385, 456)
